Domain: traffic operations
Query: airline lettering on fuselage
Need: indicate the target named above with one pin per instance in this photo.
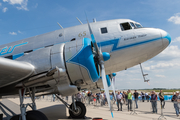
(134, 37)
(9, 50)
(130, 38)
(141, 35)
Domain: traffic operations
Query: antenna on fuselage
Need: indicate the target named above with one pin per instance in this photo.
(79, 20)
(60, 25)
(94, 20)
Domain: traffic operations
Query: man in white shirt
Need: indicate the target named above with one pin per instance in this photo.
(119, 97)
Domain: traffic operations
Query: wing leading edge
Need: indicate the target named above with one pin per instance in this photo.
(12, 71)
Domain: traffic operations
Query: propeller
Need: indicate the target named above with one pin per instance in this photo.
(113, 83)
(101, 57)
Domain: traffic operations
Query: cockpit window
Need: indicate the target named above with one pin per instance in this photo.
(138, 25)
(132, 24)
(125, 26)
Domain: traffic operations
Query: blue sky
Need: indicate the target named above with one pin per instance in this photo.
(21, 19)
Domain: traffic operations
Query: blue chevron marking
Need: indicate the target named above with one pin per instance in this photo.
(116, 41)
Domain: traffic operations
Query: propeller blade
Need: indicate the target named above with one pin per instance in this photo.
(101, 63)
(113, 81)
(106, 87)
(92, 38)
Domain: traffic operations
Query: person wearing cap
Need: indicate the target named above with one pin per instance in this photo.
(161, 96)
(176, 100)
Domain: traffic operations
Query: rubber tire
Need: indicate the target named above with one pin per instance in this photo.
(16, 117)
(34, 114)
(83, 110)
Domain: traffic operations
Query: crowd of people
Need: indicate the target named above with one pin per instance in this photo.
(125, 98)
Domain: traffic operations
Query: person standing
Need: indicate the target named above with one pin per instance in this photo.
(119, 97)
(161, 96)
(129, 100)
(53, 96)
(78, 97)
(147, 96)
(124, 97)
(94, 99)
(97, 97)
(136, 94)
(154, 101)
(89, 97)
(142, 96)
(105, 99)
(83, 96)
(102, 98)
(176, 100)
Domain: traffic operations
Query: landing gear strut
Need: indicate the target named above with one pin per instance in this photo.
(76, 109)
(30, 115)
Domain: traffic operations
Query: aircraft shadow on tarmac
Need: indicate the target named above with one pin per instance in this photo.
(6, 111)
(57, 112)
(54, 112)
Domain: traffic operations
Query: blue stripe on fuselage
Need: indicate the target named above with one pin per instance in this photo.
(116, 41)
(7, 50)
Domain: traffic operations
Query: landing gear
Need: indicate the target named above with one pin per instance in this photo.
(76, 109)
(30, 115)
(80, 110)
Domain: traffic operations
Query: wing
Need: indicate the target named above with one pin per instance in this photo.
(12, 71)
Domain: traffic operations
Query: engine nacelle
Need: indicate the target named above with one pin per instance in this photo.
(75, 63)
(80, 61)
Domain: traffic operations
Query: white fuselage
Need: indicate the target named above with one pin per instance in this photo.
(127, 48)
(127, 44)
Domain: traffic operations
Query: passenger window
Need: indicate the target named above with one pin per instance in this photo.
(125, 26)
(104, 30)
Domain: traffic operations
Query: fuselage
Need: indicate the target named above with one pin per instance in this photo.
(127, 46)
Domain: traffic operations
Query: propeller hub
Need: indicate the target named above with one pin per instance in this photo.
(106, 56)
(113, 74)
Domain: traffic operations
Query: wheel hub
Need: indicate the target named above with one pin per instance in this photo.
(78, 111)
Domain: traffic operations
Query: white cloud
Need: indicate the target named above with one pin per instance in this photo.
(162, 65)
(5, 9)
(22, 3)
(12, 33)
(171, 51)
(19, 31)
(176, 40)
(161, 76)
(136, 79)
(175, 19)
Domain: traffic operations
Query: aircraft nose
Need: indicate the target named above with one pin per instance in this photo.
(166, 38)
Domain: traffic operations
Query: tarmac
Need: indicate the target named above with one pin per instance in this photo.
(57, 111)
